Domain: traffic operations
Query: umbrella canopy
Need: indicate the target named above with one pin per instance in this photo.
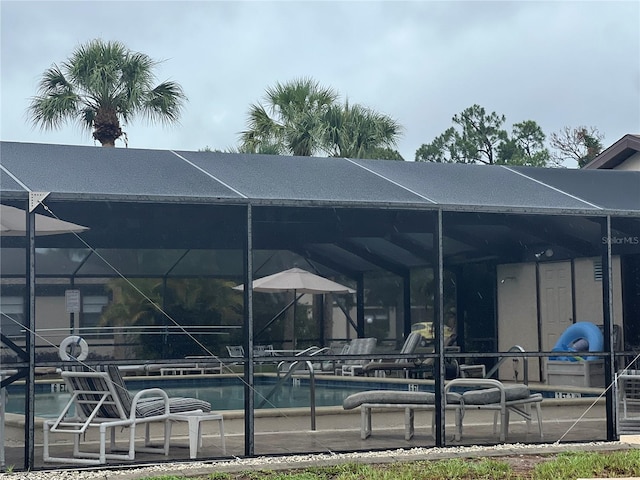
(298, 280)
(13, 223)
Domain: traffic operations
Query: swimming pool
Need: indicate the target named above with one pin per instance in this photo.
(223, 393)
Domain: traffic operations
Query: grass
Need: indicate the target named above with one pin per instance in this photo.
(565, 466)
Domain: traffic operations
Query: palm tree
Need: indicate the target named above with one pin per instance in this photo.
(291, 123)
(102, 86)
(354, 131)
(302, 118)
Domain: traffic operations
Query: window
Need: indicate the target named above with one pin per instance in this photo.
(92, 307)
(12, 316)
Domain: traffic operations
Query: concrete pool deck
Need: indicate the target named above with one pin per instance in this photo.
(288, 432)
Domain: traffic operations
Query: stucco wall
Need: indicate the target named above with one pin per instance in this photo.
(631, 163)
(588, 292)
(52, 320)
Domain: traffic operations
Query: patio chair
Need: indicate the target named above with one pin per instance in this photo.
(235, 351)
(410, 345)
(357, 346)
(627, 389)
(331, 366)
(397, 400)
(100, 400)
(263, 351)
(490, 394)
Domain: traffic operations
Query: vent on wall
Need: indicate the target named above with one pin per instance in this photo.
(597, 270)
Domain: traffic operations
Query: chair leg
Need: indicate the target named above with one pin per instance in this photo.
(45, 439)
(527, 411)
(112, 445)
(102, 458)
(132, 442)
(409, 423)
(167, 436)
(147, 434)
(459, 416)
(365, 422)
(223, 445)
(433, 424)
(539, 415)
(504, 421)
(76, 445)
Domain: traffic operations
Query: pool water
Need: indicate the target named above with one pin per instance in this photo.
(223, 395)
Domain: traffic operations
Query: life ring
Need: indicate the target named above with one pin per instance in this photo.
(575, 333)
(73, 342)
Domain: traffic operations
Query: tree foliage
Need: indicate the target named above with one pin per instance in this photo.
(479, 137)
(102, 86)
(525, 146)
(354, 131)
(303, 118)
(291, 119)
(581, 144)
(165, 308)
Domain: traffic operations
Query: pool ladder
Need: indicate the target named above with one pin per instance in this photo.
(292, 368)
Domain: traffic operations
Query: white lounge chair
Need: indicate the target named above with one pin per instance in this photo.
(501, 399)
(628, 401)
(401, 363)
(359, 347)
(99, 400)
(491, 395)
(398, 400)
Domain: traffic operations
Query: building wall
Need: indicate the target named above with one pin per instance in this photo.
(53, 326)
(588, 292)
(52, 321)
(518, 307)
(631, 163)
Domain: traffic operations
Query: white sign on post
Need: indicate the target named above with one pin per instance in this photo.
(72, 300)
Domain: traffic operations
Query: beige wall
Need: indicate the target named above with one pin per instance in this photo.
(588, 292)
(52, 325)
(517, 315)
(631, 163)
(52, 320)
(518, 310)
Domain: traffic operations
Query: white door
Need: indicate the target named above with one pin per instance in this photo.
(556, 303)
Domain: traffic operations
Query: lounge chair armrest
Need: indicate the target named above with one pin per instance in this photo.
(474, 382)
(150, 392)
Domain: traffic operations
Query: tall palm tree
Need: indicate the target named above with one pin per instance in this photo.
(354, 131)
(291, 123)
(102, 86)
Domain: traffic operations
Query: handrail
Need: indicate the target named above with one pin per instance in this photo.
(525, 364)
(312, 387)
(308, 352)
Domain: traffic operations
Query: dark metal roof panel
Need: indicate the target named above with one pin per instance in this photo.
(609, 189)
(473, 185)
(300, 178)
(8, 184)
(107, 171)
(147, 175)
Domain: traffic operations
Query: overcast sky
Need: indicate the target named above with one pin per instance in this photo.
(558, 63)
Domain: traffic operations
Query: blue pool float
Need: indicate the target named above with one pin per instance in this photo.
(576, 336)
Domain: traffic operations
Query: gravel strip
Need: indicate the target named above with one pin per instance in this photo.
(302, 461)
